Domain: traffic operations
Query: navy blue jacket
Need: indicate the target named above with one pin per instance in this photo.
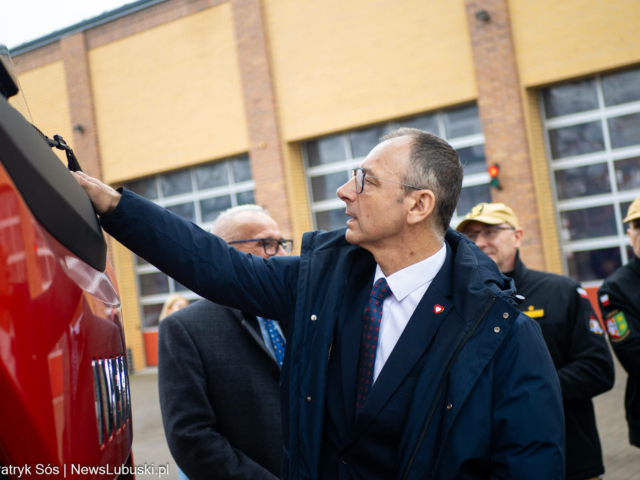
(470, 393)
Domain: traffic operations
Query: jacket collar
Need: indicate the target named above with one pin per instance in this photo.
(249, 324)
(520, 271)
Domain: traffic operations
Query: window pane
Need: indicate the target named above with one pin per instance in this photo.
(582, 181)
(146, 188)
(153, 283)
(588, 223)
(362, 142)
(623, 87)
(176, 183)
(213, 175)
(212, 207)
(593, 264)
(462, 121)
(245, 198)
(576, 140)
(331, 219)
(185, 210)
(630, 253)
(473, 159)
(326, 150)
(624, 210)
(625, 130)
(427, 123)
(178, 287)
(628, 173)
(471, 196)
(140, 260)
(325, 187)
(241, 170)
(151, 315)
(570, 98)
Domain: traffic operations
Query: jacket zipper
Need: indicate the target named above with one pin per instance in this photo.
(423, 432)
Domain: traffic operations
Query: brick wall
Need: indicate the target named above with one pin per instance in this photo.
(503, 122)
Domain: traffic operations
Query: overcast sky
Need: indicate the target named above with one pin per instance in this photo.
(25, 20)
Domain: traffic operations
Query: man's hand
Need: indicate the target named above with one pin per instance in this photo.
(104, 198)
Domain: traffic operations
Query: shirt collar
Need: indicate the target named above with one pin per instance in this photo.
(406, 281)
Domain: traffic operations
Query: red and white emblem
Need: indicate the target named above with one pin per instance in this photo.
(604, 300)
(438, 309)
(583, 293)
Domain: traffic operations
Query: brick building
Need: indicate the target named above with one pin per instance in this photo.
(201, 105)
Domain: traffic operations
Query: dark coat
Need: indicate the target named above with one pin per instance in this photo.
(619, 298)
(487, 403)
(581, 355)
(219, 394)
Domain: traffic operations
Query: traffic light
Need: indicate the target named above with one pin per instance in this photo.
(494, 171)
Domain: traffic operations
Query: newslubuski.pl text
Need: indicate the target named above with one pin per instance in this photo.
(77, 469)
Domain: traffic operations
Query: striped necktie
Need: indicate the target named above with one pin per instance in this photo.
(369, 341)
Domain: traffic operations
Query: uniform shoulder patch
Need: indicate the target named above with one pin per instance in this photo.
(617, 326)
(534, 312)
(604, 300)
(595, 326)
(583, 293)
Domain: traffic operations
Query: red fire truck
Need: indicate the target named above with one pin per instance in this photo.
(65, 406)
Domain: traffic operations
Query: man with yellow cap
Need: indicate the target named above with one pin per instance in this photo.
(571, 330)
(619, 299)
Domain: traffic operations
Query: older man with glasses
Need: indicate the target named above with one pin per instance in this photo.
(571, 330)
(218, 372)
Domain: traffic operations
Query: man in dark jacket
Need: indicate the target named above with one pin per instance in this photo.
(570, 328)
(406, 357)
(218, 372)
(619, 298)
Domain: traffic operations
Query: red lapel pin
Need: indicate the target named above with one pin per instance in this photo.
(438, 308)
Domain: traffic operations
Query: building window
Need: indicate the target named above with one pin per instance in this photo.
(592, 132)
(329, 161)
(197, 194)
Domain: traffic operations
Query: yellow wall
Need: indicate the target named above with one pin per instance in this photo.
(339, 64)
(542, 183)
(561, 39)
(125, 276)
(297, 193)
(169, 97)
(45, 91)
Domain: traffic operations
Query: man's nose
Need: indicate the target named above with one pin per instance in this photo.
(347, 192)
(481, 242)
(280, 252)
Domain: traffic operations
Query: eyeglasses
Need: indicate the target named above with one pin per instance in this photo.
(488, 233)
(359, 175)
(270, 245)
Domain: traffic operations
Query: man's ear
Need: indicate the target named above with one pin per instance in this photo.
(519, 233)
(423, 202)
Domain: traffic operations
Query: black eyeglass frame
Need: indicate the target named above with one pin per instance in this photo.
(286, 245)
(489, 228)
(360, 185)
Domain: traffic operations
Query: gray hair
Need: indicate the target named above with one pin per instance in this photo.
(217, 227)
(434, 165)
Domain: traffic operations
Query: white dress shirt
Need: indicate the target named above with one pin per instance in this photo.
(408, 286)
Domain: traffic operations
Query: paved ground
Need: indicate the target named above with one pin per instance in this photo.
(622, 461)
(149, 444)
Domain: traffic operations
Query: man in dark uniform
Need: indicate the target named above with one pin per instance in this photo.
(619, 299)
(570, 328)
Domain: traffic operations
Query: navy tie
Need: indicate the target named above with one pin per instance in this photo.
(369, 342)
(276, 340)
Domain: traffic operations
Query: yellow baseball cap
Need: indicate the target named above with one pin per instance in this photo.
(634, 211)
(491, 214)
